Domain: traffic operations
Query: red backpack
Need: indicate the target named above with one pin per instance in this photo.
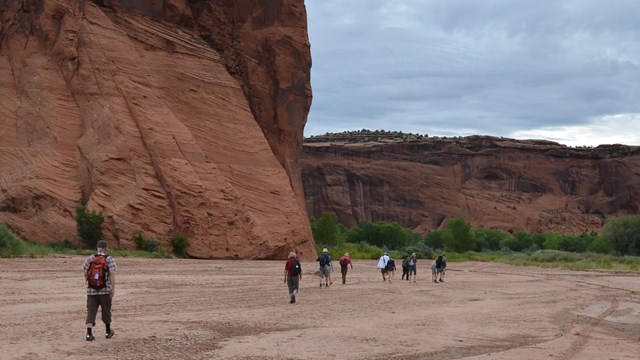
(98, 272)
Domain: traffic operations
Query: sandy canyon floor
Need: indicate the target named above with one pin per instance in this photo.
(192, 309)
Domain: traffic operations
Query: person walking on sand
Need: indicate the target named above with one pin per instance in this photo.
(444, 267)
(382, 265)
(391, 269)
(292, 275)
(413, 262)
(99, 272)
(345, 262)
(405, 268)
(434, 272)
(439, 269)
(325, 267)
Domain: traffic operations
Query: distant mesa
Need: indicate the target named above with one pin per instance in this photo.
(494, 182)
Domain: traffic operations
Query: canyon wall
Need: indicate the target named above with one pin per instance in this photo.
(170, 117)
(498, 183)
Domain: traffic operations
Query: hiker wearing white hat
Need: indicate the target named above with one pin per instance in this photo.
(325, 267)
(382, 265)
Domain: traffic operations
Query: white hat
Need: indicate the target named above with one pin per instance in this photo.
(325, 250)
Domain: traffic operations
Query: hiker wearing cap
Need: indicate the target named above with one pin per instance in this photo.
(292, 275)
(345, 261)
(382, 265)
(325, 267)
(100, 275)
(413, 262)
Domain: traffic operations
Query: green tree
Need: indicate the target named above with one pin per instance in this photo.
(458, 236)
(518, 242)
(326, 229)
(89, 226)
(622, 234)
(487, 239)
(435, 239)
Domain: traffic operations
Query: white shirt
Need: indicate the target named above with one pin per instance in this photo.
(382, 263)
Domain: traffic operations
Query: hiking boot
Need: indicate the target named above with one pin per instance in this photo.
(441, 280)
(110, 334)
(90, 337)
(293, 299)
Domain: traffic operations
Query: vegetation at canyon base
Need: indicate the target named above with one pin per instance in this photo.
(89, 228)
(616, 247)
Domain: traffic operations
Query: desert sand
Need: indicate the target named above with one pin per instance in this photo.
(209, 309)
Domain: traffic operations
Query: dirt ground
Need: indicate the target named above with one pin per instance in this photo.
(196, 309)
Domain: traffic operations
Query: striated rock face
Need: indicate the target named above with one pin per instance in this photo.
(492, 182)
(170, 117)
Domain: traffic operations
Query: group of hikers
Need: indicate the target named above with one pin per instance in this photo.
(386, 264)
(99, 272)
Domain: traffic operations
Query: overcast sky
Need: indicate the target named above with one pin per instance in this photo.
(561, 70)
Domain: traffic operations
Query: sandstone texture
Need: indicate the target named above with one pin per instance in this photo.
(170, 117)
(492, 182)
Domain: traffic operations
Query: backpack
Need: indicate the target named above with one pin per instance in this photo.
(412, 261)
(439, 262)
(98, 272)
(296, 268)
(324, 259)
(391, 264)
(344, 261)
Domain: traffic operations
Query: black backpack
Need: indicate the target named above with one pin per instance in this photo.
(324, 259)
(296, 268)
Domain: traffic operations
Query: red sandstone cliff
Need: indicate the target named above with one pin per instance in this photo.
(491, 182)
(171, 117)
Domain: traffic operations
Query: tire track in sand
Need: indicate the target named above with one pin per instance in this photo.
(584, 335)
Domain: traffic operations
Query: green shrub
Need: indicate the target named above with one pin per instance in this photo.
(145, 244)
(600, 246)
(623, 234)
(89, 226)
(488, 239)
(179, 243)
(10, 244)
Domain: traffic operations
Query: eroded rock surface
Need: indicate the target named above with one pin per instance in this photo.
(171, 117)
(491, 182)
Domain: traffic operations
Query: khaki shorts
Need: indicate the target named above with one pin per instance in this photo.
(325, 271)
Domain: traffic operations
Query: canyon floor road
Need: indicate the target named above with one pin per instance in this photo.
(196, 309)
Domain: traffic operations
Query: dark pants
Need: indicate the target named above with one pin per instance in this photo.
(103, 301)
(343, 270)
(405, 272)
(292, 283)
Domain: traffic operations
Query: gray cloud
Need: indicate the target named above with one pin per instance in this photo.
(472, 67)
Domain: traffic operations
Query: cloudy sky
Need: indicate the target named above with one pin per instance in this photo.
(562, 70)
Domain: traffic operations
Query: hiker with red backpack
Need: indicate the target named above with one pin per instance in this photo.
(292, 275)
(345, 262)
(99, 273)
